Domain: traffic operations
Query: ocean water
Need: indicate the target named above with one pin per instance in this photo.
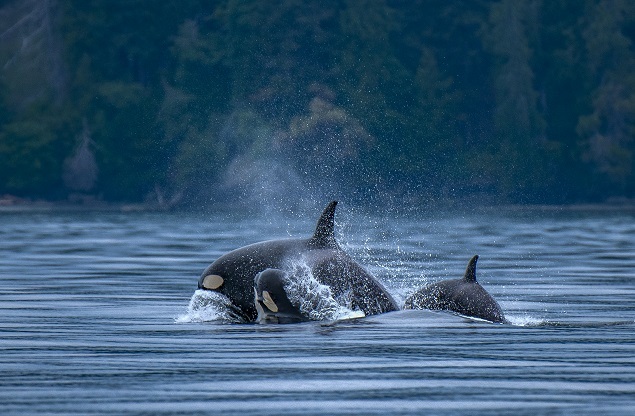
(95, 318)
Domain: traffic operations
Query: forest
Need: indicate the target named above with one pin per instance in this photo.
(185, 102)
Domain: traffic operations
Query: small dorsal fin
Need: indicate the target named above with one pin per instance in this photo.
(470, 271)
(324, 235)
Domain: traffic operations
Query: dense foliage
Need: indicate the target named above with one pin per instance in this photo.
(191, 100)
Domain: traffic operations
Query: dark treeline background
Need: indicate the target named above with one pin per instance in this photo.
(189, 101)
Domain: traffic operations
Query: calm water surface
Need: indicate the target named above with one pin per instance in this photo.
(94, 318)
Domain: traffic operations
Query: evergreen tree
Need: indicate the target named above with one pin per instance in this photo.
(608, 131)
(520, 100)
(519, 126)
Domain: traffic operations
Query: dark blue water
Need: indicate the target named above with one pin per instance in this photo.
(94, 318)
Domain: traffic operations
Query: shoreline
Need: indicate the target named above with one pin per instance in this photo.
(12, 204)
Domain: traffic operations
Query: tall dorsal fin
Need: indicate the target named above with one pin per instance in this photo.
(470, 271)
(324, 235)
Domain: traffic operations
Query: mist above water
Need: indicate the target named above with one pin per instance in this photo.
(316, 157)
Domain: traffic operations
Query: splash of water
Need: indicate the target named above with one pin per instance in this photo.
(210, 306)
(314, 299)
(524, 320)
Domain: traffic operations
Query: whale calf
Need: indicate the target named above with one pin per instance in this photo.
(271, 300)
(464, 296)
(233, 273)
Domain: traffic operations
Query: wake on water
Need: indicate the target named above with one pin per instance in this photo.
(316, 301)
(313, 299)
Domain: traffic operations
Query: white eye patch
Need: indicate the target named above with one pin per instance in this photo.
(212, 282)
(269, 303)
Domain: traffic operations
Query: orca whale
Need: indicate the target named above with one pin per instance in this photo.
(234, 273)
(464, 296)
(272, 303)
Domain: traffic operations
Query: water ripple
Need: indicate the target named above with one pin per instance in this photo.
(95, 319)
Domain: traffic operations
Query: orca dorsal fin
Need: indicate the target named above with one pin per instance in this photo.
(470, 271)
(324, 236)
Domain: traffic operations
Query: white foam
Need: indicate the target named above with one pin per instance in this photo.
(314, 299)
(346, 313)
(524, 320)
(209, 306)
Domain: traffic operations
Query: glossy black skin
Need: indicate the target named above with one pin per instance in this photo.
(329, 264)
(464, 296)
(272, 281)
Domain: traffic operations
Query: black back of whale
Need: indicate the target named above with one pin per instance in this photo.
(465, 296)
(330, 265)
